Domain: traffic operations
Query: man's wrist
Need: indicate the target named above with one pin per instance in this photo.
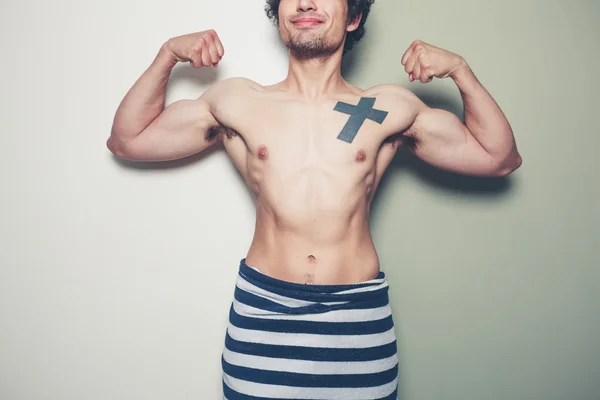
(462, 70)
(464, 77)
(166, 57)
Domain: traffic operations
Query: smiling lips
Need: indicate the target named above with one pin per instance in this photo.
(307, 21)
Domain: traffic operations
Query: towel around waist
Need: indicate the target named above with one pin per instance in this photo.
(271, 295)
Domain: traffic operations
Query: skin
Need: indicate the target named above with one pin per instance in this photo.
(313, 191)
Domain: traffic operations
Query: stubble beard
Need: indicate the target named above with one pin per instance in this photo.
(308, 47)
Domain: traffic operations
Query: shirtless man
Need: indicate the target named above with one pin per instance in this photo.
(312, 149)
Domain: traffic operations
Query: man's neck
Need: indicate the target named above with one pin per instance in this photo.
(315, 79)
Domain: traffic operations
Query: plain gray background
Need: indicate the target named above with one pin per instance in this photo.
(116, 278)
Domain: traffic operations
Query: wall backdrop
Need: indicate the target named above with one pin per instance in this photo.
(116, 277)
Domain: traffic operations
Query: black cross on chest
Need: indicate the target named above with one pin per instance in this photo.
(358, 115)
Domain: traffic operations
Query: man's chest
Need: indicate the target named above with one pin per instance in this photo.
(339, 132)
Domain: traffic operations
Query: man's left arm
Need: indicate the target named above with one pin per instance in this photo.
(484, 145)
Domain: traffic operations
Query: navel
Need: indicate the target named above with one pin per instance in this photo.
(361, 156)
(263, 152)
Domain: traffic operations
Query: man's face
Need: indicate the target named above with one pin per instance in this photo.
(314, 28)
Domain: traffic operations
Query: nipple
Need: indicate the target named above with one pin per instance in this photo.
(361, 156)
(263, 153)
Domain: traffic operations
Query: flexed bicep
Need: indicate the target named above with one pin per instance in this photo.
(184, 128)
(439, 138)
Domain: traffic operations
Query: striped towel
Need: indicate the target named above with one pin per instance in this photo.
(321, 342)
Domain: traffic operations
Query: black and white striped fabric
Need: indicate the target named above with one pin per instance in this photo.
(320, 342)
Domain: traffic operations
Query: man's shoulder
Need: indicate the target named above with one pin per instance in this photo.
(236, 85)
(230, 93)
(389, 92)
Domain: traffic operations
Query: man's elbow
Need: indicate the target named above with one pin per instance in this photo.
(509, 165)
(116, 147)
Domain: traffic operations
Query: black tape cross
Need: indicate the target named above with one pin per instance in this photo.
(358, 114)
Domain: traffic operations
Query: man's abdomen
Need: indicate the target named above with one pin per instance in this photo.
(314, 240)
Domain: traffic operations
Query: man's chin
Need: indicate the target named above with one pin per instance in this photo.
(310, 46)
(308, 53)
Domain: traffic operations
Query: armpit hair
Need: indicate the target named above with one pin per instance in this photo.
(410, 139)
(219, 132)
(406, 139)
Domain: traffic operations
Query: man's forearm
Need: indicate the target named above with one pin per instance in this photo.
(484, 118)
(145, 100)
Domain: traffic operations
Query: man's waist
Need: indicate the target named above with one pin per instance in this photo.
(310, 261)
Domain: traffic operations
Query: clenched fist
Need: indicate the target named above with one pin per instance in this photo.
(423, 62)
(200, 49)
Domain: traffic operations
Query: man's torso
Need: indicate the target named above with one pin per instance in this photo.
(313, 167)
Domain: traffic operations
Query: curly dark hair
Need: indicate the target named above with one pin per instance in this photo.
(355, 8)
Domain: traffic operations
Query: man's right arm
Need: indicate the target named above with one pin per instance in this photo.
(144, 130)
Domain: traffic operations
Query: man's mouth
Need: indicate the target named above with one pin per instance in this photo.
(307, 21)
